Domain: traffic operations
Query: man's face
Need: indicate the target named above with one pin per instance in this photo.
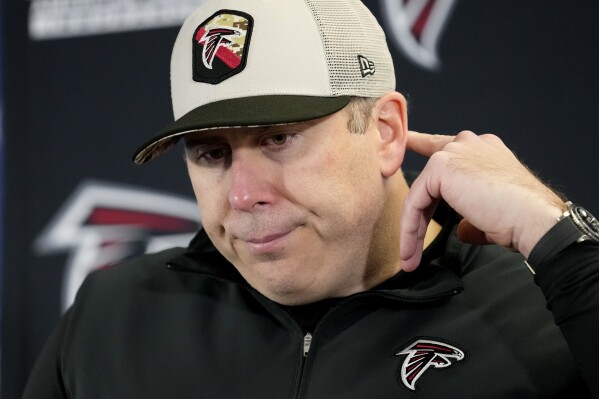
(297, 209)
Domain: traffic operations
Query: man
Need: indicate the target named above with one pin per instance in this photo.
(309, 277)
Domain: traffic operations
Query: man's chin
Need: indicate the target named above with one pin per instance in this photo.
(287, 290)
(291, 293)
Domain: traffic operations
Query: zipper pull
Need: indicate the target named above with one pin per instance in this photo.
(307, 343)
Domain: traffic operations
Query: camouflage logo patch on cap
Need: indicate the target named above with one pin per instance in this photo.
(220, 46)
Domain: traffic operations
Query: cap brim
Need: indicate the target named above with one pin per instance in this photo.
(241, 112)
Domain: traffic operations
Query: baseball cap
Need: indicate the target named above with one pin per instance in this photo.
(245, 63)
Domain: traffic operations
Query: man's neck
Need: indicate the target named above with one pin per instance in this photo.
(432, 231)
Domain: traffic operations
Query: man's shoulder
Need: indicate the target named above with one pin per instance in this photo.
(129, 277)
(493, 274)
(499, 279)
(474, 258)
(138, 266)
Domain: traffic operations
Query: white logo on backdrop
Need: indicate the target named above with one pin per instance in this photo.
(102, 224)
(52, 19)
(415, 27)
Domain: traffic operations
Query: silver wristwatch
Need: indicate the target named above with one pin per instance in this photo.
(583, 220)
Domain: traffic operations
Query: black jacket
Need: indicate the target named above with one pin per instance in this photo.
(469, 323)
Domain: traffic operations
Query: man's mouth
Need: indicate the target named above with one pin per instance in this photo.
(268, 243)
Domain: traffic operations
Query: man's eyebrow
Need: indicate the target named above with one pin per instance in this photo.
(291, 125)
(214, 137)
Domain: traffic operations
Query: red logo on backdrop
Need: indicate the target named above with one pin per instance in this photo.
(415, 26)
(103, 224)
(425, 354)
(220, 46)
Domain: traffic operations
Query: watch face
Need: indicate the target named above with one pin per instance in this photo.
(586, 221)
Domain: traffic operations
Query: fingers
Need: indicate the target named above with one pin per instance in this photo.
(427, 144)
(424, 196)
(481, 179)
(419, 206)
(412, 230)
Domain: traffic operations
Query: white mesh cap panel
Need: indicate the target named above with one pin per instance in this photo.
(344, 39)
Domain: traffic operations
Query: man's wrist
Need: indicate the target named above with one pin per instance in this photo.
(574, 225)
(542, 222)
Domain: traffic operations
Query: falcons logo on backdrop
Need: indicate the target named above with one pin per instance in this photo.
(415, 27)
(213, 40)
(103, 224)
(424, 354)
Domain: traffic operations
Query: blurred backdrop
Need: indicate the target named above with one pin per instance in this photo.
(86, 81)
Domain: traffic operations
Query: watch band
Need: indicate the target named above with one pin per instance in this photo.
(575, 225)
(559, 237)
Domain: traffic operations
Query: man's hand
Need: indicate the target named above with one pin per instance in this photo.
(501, 201)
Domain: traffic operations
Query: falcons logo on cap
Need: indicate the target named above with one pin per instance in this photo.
(102, 224)
(213, 39)
(220, 46)
(424, 354)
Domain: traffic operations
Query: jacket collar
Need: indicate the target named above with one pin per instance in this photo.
(438, 276)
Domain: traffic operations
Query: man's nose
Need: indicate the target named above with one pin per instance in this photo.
(250, 182)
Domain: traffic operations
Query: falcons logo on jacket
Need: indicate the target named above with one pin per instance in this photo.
(103, 224)
(424, 354)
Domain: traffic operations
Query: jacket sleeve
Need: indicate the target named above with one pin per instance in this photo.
(570, 283)
(46, 378)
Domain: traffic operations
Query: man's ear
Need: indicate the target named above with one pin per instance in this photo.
(391, 118)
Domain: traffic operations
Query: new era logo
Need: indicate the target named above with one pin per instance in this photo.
(220, 46)
(366, 66)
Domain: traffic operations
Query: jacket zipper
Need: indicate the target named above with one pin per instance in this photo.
(307, 343)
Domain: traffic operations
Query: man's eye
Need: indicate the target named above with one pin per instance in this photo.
(213, 155)
(279, 141)
(209, 156)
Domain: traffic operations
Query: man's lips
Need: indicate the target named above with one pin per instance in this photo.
(267, 243)
(266, 239)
